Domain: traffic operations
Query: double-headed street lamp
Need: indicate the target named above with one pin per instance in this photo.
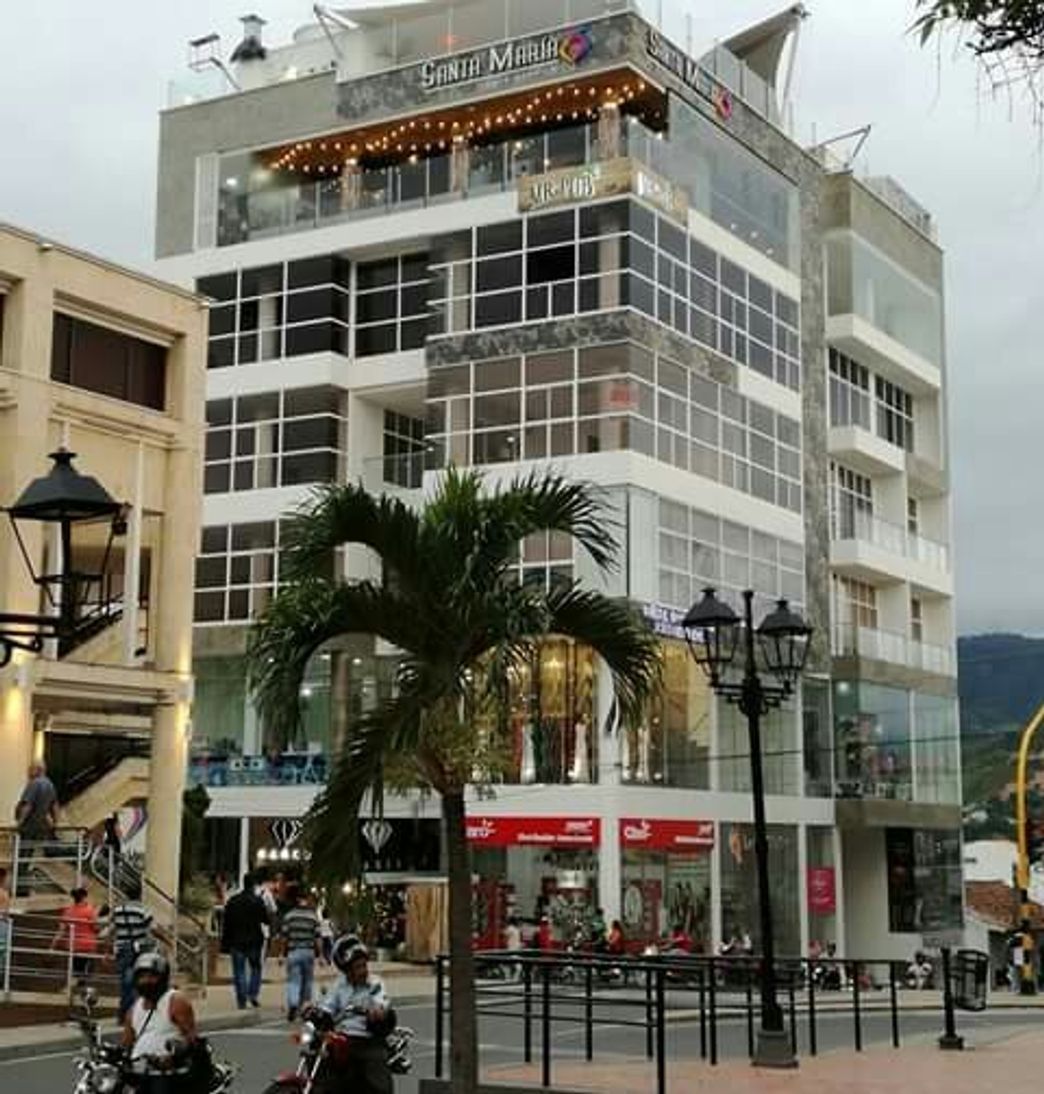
(712, 630)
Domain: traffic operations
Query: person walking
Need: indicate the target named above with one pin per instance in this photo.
(130, 926)
(300, 930)
(242, 938)
(36, 813)
(112, 835)
(77, 935)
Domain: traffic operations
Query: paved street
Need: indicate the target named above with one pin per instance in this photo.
(262, 1051)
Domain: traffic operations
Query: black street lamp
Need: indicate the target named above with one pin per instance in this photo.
(712, 630)
(64, 498)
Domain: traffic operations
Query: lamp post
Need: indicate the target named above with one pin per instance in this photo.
(62, 498)
(712, 630)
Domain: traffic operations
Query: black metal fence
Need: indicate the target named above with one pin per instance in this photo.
(547, 991)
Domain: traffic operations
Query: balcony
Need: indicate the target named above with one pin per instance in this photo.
(884, 354)
(866, 546)
(279, 207)
(850, 640)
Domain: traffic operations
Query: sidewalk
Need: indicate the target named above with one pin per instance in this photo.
(217, 1010)
(1012, 1061)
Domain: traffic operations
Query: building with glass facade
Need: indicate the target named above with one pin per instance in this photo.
(571, 234)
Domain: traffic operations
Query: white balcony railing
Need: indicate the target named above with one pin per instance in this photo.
(850, 640)
(893, 538)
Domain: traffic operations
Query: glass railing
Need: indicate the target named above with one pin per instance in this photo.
(491, 169)
(851, 640)
(288, 768)
(401, 475)
(894, 538)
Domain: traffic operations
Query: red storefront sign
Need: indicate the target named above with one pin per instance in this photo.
(535, 831)
(666, 835)
(822, 899)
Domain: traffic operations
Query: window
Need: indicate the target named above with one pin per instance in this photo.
(925, 883)
(849, 391)
(283, 310)
(916, 619)
(391, 304)
(235, 571)
(607, 256)
(856, 603)
(913, 517)
(894, 414)
(108, 362)
(273, 438)
(403, 463)
(851, 503)
(696, 549)
(613, 396)
(873, 744)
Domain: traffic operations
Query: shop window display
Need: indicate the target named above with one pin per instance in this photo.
(739, 886)
(873, 741)
(671, 746)
(546, 728)
(664, 893)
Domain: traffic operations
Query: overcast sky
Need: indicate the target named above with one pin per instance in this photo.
(81, 84)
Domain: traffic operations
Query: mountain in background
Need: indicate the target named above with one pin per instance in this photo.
(1001, 681)
(1001, 684)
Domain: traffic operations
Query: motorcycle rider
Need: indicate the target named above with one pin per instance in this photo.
(159, 1028)
(360, 1009)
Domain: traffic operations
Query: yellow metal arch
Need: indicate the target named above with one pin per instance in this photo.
(1022, 868)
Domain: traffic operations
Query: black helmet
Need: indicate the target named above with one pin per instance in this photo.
(346, 949)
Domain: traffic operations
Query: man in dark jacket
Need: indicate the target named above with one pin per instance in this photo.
(243, 938)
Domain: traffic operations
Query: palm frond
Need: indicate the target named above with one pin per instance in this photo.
(542, 502)
(331, 831)
(618, 633)
(302, 617)
(336, 515)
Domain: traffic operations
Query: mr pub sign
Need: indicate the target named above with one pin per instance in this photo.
(516, 55)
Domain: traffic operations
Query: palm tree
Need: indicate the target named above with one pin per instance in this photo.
(451, 602)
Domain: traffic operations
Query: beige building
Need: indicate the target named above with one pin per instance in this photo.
(109, 364)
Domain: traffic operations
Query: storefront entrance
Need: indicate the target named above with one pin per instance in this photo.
(666, 881)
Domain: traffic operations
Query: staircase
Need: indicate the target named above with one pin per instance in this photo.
(41, 878)
(126, 782)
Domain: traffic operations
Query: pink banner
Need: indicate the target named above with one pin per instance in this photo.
(822, 899)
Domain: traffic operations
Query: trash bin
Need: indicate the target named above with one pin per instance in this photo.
(969, 975)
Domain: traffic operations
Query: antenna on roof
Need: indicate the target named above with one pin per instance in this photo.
(831, 159)
(205, 53)
(330, 19)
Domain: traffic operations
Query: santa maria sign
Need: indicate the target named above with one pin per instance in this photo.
(566, 49)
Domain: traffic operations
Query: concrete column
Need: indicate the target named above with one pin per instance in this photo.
(460, 165)
(132, 562)
(609, 132)
(16, 737)
(351, 185)
(167, 762)
(245, 864)
(803, 885)
(716, 889)
(608, 763)
(179, 534)
(609, 872)
(840, 928)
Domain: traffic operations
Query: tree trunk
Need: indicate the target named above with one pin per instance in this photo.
(463, 1022)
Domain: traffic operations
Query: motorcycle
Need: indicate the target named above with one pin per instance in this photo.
(105, 1068)
(321, 1048)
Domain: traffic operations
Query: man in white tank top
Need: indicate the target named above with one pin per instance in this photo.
(159, 1024)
